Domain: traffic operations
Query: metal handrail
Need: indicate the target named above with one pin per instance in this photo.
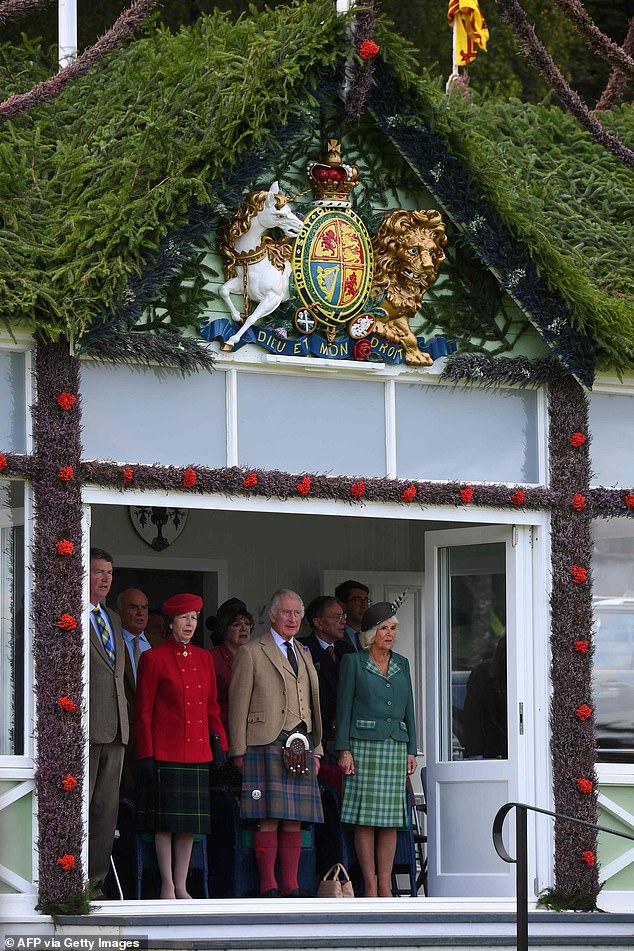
(521, 859)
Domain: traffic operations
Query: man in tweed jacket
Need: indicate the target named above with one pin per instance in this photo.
(274, 692)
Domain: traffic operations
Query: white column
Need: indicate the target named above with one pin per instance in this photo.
(66, 31)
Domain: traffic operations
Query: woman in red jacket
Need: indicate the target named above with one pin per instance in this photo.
(176, 711)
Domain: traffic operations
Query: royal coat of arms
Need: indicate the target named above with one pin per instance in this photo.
(359, 291)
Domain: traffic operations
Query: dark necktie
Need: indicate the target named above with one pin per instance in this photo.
(331, 653)
(137, 655)
(105, 635)
(292, 659)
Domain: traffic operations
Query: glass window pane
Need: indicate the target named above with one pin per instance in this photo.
(13, 402)
(11, 618)
(320, 425)
(613, 668)
(473, 652)
(150, 414)
(612, 428)
(477, 435)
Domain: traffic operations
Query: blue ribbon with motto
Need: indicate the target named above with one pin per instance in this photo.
(317, 346)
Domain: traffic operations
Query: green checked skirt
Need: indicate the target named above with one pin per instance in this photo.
(375, 794)
(177, 800)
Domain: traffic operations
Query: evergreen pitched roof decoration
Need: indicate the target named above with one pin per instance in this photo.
(112, 186)
(108, 189)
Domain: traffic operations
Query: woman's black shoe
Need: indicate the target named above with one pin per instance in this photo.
(272, 893)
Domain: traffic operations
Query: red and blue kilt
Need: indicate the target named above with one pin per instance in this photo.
(283, 795)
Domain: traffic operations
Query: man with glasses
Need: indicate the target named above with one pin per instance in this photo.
(355, 598)
(326, 643)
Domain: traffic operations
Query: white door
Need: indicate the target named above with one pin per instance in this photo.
(478, 602)
(386, 586)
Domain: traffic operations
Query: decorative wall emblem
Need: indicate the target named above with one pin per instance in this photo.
(158, 526)
(342, 305)
(333, 266)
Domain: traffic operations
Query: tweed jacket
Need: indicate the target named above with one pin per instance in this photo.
(176, 705)
(372, 706)
(257, 695)
(108, 704)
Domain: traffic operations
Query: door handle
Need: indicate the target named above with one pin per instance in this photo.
(521, 708)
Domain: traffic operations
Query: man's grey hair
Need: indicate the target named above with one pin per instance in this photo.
(122, 594)
(284, 593)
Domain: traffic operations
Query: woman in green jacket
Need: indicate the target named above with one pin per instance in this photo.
(376, 740)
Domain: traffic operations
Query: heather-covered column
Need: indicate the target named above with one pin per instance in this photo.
(57, 622)
(572, 713)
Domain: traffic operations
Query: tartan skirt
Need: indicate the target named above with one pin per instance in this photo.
(177, 800)
(375, 794)
(269, 791)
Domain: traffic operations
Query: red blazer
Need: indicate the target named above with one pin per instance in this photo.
(176, 704)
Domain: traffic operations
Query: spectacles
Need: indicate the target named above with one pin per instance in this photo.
(359, 600)
(335, 617)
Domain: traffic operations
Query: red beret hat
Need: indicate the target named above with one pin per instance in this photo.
(182, 604)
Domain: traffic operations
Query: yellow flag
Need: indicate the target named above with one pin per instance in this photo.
(471, 30)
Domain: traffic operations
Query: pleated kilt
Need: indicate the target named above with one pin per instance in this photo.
(375, 794)
(278, 793)
(177, 800)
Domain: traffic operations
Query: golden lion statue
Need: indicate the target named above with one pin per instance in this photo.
(408, 252)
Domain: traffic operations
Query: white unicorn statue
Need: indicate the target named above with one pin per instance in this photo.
(256, 266)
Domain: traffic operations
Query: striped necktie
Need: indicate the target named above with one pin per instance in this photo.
(137, 654)
(292, 659)
(105, 635)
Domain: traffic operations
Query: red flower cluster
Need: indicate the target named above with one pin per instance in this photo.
(189, 477)
(466, 495)
(67, 862)
(64, 547)
(303, 487)
(67, 622)
(65, 473)
(408, 494)
(357, 489)
(66, 400)
(250, 481)
(629, 498)
(69, 782)
(368, 49)
(66, 703)
(577, 439)
(585, 786)
(362, 350)
(582, 646)
(3, 461)
(578, 501)
(127, 473)
(579, 574)
(584, 711)
(588, 858)
(518, 498)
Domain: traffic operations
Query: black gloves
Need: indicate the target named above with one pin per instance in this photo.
(217, 752)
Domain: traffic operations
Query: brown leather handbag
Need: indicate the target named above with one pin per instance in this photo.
(335, 883)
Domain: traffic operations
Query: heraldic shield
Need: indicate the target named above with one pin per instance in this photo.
(333, 264)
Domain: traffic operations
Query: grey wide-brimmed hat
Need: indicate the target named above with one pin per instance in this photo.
(379, 612)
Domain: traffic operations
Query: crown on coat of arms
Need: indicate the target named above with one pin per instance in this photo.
(332, 180)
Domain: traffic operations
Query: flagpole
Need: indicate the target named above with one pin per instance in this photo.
(66, 31)
(455, 71)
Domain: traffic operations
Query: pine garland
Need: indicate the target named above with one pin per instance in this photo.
(513, 13)
(13, 9)
(597, 41)
(123, 28)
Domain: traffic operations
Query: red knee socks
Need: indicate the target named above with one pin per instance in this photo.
(265, 848)
(290, 847)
